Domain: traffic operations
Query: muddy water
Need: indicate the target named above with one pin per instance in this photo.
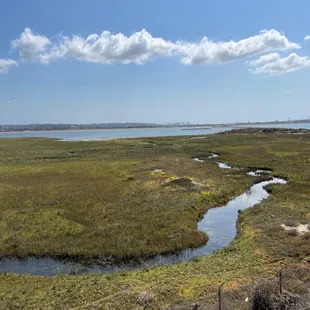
(218, 223)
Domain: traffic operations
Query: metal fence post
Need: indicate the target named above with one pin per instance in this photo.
(220, 296)
(281, 280)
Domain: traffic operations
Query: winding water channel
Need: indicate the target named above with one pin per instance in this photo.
(218, 223)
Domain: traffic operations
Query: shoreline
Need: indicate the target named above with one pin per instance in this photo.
(97, 129)
(192, 127)
(264, 130)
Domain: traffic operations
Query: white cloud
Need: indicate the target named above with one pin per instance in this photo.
(108, 48)
(263, 59)
(287, 92)
(208, 52)
(307, 38)
(141, 46)
(273, 64)
(30, 45)
(6, 65)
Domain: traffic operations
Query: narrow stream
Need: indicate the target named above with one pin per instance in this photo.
(218, 223)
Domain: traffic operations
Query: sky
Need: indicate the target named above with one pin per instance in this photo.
(163, 61)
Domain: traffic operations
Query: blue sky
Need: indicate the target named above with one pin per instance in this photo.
(51, 73)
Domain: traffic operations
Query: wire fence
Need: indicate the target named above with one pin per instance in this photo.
(288, 290)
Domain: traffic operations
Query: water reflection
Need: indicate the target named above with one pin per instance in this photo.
(223, 165)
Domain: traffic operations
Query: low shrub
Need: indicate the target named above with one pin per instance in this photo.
(263, 295)
(293, 232)
(306, 236)
(291, 223)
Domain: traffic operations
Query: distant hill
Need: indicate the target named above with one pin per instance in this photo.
(49, 127)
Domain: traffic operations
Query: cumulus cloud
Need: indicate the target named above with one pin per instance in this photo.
(307, 38)
(30, 45)
(141, 46)
(208, 52)
(264, 59)
(6, 65)
(108, 48)
(273, 64)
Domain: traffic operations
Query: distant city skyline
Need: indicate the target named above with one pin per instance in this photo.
(156, 62)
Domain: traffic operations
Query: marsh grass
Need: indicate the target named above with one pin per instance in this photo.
(98, 200)
(88, 186)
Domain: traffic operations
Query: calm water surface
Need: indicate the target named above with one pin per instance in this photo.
(76, 135)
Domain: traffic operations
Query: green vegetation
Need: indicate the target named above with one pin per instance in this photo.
(105, 199)
(114, 199)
